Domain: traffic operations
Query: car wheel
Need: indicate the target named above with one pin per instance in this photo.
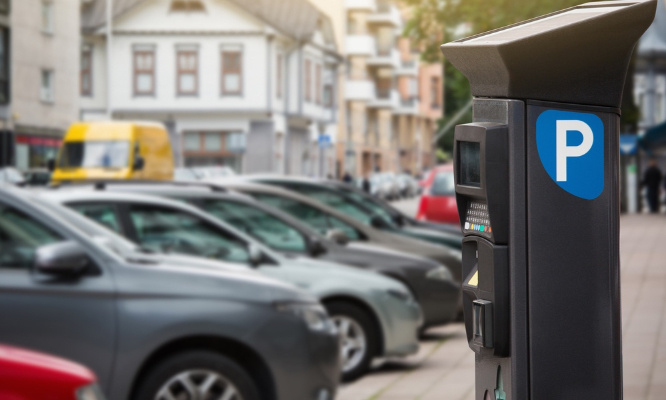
(197, 375)
(359, 338)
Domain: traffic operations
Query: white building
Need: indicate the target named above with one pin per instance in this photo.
(39, 71)
(244, 83)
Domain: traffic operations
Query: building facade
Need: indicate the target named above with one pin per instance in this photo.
(246, 83)
(39, 71)
(392, 101)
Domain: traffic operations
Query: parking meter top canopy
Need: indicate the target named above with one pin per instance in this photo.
(556, 57)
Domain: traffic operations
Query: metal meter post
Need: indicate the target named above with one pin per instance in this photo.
(537, 185)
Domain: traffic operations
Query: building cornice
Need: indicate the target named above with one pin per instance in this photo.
(188, 33)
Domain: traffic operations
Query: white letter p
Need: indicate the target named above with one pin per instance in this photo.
(563, 151)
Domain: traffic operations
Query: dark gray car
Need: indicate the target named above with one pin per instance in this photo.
(432, 283)
(157, 330)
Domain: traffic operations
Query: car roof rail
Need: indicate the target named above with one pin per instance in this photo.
(101, 184)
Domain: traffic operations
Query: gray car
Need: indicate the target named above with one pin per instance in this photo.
(154, 329)
(432, 284)
(376, 316)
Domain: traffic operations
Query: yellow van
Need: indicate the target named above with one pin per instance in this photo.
(114, 150)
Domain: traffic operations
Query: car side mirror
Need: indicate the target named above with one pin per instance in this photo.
(378, 222)
(50, 164)
(256, 255)
(337, 236)
(66, 258)
(139, 163)
(316, 247)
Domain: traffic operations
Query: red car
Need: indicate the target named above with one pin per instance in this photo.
(27, 375)
(438, 201)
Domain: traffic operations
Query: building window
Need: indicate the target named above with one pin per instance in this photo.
(86, 71)
(187, 72)
(213, 142)
(47, 16)
(307, 77)
(278, 70)
(328, 95)
(47, 86)
(4, 65)
(187, 5)
(144, 72)
(232, 72)
(192, 141)
(318, 83)
(435, 97)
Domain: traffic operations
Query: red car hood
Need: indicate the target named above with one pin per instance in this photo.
(18, 363)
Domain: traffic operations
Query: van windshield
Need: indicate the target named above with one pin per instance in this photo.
(99, 153)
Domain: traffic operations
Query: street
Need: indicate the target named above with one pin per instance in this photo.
(444, 366)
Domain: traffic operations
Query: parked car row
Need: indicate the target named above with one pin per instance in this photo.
(232, 287)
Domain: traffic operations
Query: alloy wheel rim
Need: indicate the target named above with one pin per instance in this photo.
(353, 344)
(198, 385)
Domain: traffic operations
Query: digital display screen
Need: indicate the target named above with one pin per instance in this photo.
(470, 163)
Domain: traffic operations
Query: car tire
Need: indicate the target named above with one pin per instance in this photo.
(200, 365)
(358, 321)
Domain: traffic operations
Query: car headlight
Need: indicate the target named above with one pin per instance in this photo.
(90, 392)
(440, 273)
(313, 314)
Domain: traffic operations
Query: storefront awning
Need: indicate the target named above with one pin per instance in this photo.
(654, 138)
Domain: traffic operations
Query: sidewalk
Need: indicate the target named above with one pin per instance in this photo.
(444, 367)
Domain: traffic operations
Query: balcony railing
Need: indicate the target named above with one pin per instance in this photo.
(383, 93)
(409, 102)
(383, 7)
(408, 64)
(384, 51)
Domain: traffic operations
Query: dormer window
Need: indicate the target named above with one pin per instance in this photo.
(187, 5)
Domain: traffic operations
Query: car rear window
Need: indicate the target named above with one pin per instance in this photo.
(443, 184)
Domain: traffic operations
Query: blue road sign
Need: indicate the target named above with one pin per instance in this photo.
(324, 141)
(628, 144)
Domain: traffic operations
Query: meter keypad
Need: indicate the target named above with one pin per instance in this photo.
(477, 219)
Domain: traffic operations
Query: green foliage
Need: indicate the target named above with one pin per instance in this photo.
(434, 22)
(442, 156)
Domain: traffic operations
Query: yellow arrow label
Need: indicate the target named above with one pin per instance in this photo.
(474, 280)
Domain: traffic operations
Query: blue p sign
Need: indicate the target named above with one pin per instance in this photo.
(571, 149)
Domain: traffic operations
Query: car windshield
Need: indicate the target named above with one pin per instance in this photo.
(340, 203)
(94, 230)
(369, 203)
(257, 223)
(165, 230)
(443, 184)
(94, 154)
(311, 216)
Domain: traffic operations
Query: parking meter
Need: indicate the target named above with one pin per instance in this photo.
(536, 178)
